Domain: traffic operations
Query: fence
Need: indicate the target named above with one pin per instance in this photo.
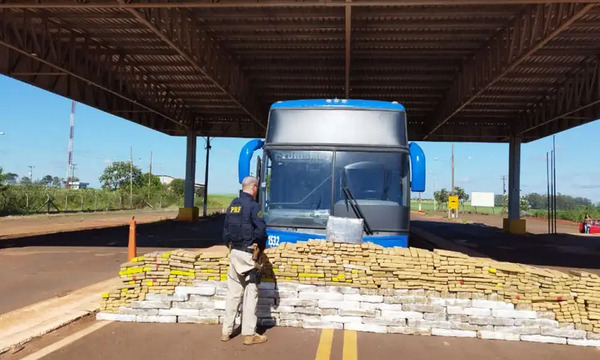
(465, 207)
(34, 200)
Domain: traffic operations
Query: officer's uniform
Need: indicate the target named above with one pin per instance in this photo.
(243, 227)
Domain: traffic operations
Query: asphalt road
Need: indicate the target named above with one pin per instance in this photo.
(121, 340)
(561, 250)
(41, 267)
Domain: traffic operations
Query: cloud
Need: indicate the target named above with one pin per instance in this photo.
(107, 161)
(589, 186)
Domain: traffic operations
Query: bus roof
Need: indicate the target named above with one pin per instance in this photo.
(338, 103)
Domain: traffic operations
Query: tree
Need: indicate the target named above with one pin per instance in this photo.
(177, 186)
(462, 195)
(3, 177)
(26, 181)
(154, 180)
(441, 196)
(116, 176)
(498, 200)
(46, 180)
(57, 182)
(524, 204)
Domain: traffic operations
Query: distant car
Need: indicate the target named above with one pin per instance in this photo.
(594, 227)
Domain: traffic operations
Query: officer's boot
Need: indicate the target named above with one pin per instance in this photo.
(255, 339)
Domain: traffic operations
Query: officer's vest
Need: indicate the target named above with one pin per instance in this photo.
(239, 223)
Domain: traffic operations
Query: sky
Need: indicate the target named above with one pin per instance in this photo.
(36, 127)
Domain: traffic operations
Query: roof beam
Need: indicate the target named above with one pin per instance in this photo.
(34, 55)
(528, 33)
(183, 34)
(577, 97)
(348, 31)
(98, 4)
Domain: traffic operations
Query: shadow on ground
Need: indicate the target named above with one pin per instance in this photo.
(169, 234)
(560, 250)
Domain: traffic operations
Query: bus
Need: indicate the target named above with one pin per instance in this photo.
(343, 158)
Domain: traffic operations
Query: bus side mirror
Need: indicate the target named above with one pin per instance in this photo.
(417, 162)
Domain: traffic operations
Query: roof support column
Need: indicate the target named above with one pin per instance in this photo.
(514, 224)
(189, 212)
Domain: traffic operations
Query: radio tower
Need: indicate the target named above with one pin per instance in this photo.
(70, 166)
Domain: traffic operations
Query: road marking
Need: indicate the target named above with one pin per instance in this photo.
(325, 342)
(350, 345)
(66, 341)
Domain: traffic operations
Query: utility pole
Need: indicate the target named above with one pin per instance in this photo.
(434, 201)
(503, 177)
(451, 212)
(452, 191)
(131, 177)
(206, 176)
(150, 174)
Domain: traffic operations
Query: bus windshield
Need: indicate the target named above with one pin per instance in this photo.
(303, 187)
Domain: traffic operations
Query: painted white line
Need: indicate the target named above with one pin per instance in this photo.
(66, 341)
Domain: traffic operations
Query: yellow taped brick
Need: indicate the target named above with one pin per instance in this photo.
(105, 295)
(492, 270)
(166, 255)
(149, 283)
(180, 272)
(308, 275)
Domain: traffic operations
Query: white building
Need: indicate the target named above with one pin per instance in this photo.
(76, 185)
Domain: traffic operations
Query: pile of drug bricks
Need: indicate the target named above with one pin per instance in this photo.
(573, 297)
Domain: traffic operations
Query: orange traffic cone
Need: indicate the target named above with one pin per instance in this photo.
(131, 247)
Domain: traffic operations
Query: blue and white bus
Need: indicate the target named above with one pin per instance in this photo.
(331, 157)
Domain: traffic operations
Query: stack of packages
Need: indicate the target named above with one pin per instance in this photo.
(573, 298)
(587, 288)
(181, 265)
(156, 265)
(211, 266)
(132, 274)
(408, 268)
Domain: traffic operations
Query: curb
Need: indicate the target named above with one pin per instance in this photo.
(22, 325)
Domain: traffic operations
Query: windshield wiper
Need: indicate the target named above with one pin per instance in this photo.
(356, 209)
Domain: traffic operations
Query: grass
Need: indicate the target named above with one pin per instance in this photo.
(427, 205)
(215, 201)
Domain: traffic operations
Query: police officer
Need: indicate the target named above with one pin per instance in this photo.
(244, 229)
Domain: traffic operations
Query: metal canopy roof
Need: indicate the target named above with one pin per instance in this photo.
(466, 70)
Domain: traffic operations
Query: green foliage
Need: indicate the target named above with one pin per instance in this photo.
(117, 176)
(3, 177)
(524, 204)
(57, 182)
(46, 180)
(26, 181)
(441, 196)
(462, 195)
(177, 186)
